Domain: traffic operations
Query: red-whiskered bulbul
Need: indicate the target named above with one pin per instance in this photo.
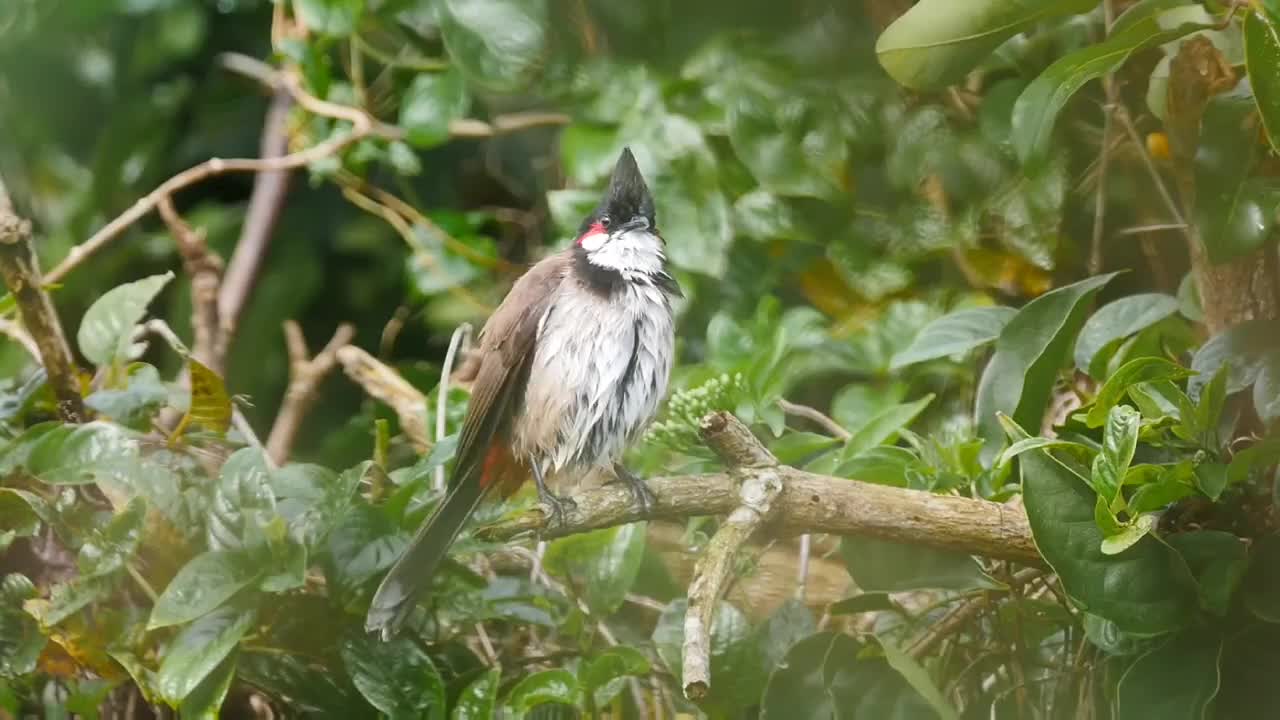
(574, 363)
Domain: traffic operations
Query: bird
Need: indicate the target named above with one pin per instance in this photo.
(574, 365)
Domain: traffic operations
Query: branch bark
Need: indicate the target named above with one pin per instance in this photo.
(205, 270)
(305, 375)
(741, 452)
(21, 272)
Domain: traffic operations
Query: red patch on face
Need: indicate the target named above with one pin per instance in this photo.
(596, 227)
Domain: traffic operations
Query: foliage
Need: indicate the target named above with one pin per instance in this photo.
(902, 225)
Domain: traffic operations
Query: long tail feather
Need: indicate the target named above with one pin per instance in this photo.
(412, 573)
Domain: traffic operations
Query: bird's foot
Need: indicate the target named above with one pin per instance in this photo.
(645, 498)
(556, 506)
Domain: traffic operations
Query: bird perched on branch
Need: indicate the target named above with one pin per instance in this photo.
(574, 364)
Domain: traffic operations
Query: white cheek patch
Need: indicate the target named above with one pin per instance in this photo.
(594, 241)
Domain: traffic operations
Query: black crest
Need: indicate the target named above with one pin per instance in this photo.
(627, 196)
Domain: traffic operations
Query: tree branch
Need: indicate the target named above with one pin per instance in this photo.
(21, 272)
(305, 375)
(383, 383)
(741, 451)
(205, 270)
(807, 503)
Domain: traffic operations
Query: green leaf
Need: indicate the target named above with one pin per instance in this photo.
(794, 448)
(396, 677)
(205, 701)
(203, 584)
(364, 544)
(548, 686)
(602, 564)
(82, 454)
(1262, 60)
(884, 426)
(1138, 590)
(938, 42)
(1218, 561)
(883, 465)
(430, 103)
(1178, 679)
(1262, 583)
(1035, 443)
(1246, 349)
(478, 700)
(108, 324)
(955, 333)
(1119, 441)
(826, 677)
(1036, 110)
(198, 650)
(736, 664)
(21, 514)
(1211, 478)
(915, 674)
(604, 675)
(885, 566)
(337, 18)
(1138, 370)
(133, 405)
(1158, 399)
(210, 405)
(1129, 535)
(865, 602)
(1120, 319)
(500, 45)
(1234, 209)
(791, 622)
(106, 550)
(67, 599)
(1029, 352)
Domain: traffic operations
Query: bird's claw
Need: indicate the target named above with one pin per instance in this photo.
(556, 508)
(644, 496)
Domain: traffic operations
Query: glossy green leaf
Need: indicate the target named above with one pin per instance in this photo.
(885, 566)
(309, 688)
(363, 545)
(330, 17)
(1158, 399)
(1138, 590)
(825, 677)
(204, 702)
(396, 677)
(603, 676)
(883, 465)
(1036, 443)
(21, 514)
(107, 549)
(500, 45)
(200, 648)
(916, 676)
(791, 622)
(108, 324)
(794, 448)
(431, 103)
(1211, 478)
(955, 333)
(548, 686)
(1134, 372)
(1262, 60)
(1029, 352)
(1129, 535)
(1119, 441)
(132, 405)
(1246, 349)
(1120, 319)
(1036, 110)
(602, 564)
(1178, 679)
(478, 700)
(884, 426)
(1235, 209)
(82, 454)
(937, 42)
(204, 583)
(1218, 561)
(864, 603)
(67, 599)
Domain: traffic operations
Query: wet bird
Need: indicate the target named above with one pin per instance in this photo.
(575, 362)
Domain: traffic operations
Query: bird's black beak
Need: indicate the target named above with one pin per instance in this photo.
(639, 222)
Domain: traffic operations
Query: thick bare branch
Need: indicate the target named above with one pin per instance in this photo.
(758, 496)
(21, 273)
(385, 384)
(305, 375)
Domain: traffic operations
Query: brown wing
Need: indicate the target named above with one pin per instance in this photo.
(506, 349)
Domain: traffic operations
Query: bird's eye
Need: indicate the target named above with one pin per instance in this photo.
(604, 221)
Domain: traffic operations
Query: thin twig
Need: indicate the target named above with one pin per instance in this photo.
(382, 382)
(305, 375)
(205, 270)
(825, 421)
(21, 273)
(761, 485)
(15, 332)
(460, 334)
(1126, 122)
